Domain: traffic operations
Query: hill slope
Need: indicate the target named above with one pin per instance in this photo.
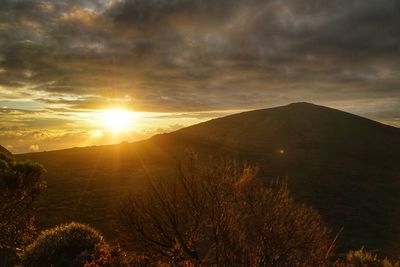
(3, 150)
(300, 126)
(344, 165)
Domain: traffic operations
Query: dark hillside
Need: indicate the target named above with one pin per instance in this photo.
(3, 150)
(344, 165)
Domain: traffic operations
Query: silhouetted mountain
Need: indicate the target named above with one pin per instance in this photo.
(344, 165)
(295, 128)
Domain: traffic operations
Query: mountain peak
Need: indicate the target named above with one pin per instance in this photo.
(297, 125)
(304, 104)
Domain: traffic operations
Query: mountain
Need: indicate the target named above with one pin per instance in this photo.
(298, 126)
(344, 165)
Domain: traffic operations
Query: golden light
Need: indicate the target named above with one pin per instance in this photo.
(118, 120)
(97, 133)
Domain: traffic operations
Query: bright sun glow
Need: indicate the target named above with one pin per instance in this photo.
(118, 120)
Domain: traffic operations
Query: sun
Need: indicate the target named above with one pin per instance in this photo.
(117, 120)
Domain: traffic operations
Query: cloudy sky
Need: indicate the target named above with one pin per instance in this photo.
(178, 62)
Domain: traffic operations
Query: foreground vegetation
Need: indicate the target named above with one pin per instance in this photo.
(215, 214)
(20, 185)
(222, 215)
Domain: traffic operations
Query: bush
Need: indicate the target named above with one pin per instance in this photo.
(219, 214)
(21, 183)
(106, 256)
(65, 245)
(363, 258)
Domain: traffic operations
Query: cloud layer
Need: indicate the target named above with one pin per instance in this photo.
(201, 55)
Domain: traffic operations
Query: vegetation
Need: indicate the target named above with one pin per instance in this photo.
(20, 185)
(363, 258)
(222, 215)
(211, 214)
(66, 245)
(112, 256)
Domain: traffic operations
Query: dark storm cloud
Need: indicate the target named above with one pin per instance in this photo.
(153, 14)
(192, 55)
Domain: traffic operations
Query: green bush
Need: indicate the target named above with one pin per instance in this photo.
(65, 245)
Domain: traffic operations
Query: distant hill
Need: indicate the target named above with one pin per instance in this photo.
(3, 150)
(344, 165)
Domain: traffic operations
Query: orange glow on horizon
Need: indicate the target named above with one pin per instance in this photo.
(118, 120)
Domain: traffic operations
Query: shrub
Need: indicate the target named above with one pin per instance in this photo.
(219, 214)
(363, 258)
(65, 245)
(21, 183)
(107, 256)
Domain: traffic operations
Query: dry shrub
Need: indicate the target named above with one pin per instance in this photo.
(220, 214)
(112, 256)
(65, 245)
(363, 258)
(21, 183)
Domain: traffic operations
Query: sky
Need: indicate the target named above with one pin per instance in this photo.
(173, 63)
